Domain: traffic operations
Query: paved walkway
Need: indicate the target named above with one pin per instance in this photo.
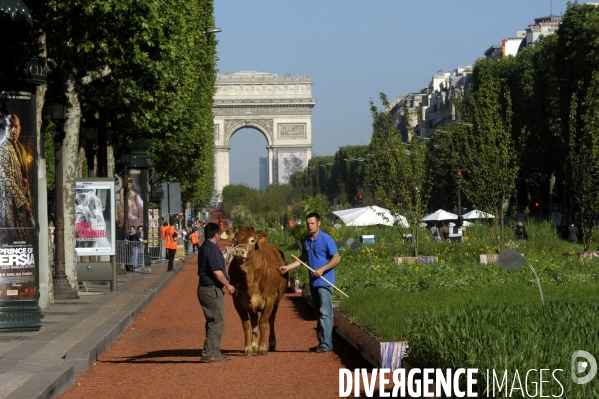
(144, 340)
(74, 332)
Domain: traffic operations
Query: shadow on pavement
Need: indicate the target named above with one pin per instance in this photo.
(302, 308)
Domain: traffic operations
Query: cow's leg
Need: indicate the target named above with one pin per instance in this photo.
(247, 327)
(254, 319)
(272, 338)
(264, 327)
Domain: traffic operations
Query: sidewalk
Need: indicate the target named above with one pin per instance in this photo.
(75, 333)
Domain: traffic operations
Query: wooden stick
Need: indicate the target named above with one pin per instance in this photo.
(312, 270)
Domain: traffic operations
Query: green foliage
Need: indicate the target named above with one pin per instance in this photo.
(584, 159)
(458, 264)
(483, 146)
(344, 176)
(151, 67)
(495, 327)
(398, 168)
(271, 204)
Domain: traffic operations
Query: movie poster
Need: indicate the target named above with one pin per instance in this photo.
(17, 195)
(136, 185)
(94, 210)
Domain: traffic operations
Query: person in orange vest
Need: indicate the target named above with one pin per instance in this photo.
(195, 241)
(163, 240)
(171, 245)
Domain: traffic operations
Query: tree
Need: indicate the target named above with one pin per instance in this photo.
(399, 168)
(152, 67)
(584, 159)
(483, 146)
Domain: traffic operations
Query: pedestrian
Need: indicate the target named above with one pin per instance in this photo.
(163, 240)
(321, 254)
(132, 237)
(171, 245)
(435, 232)
(195, 241)
(572, 233)
(444, 232)
(520, 232)
(213, 277)
(185, 237)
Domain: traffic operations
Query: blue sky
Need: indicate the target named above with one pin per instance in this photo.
(353, 50)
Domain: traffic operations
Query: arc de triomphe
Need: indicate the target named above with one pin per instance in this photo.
(280, 107)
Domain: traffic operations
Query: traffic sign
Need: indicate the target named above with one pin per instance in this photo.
(556, 208)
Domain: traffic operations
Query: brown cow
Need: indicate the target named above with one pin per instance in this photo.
(254, 272)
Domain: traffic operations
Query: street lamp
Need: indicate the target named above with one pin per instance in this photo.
(62, 286)
(213, 30)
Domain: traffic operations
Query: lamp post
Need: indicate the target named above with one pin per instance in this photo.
(62, 287)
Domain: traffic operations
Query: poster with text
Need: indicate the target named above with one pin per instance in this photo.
(94, 214)
(18, 195)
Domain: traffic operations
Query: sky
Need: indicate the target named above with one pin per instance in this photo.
(353, 50)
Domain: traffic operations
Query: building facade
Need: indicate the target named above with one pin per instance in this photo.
(263, 173)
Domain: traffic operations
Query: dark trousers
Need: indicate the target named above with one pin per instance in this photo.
(213, 304)
(196, 247)
(171, 257)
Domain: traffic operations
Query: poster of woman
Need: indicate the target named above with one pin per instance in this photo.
(135, 192)
(94, 229)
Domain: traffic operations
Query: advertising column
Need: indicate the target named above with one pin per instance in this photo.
(19, 75)
(18, 233)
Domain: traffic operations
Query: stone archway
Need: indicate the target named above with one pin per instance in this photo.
(279, 107)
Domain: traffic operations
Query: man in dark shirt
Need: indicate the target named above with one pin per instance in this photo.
(213, 277)
(572, 233)
(133, 237)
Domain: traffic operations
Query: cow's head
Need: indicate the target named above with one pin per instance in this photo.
(246, 241)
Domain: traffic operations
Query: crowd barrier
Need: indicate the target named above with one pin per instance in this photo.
(130, 255)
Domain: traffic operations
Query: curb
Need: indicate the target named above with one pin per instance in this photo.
(52, 383)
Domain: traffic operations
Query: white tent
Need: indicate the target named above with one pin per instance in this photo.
(476, 214)
(440, 215)
(465, 223)
(369, 216)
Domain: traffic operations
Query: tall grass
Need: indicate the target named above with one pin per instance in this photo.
(495, 327)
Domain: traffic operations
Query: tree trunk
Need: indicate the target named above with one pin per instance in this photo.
(70, 152)
(44, 262)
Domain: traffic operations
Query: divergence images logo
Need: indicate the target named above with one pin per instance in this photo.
(582, 366)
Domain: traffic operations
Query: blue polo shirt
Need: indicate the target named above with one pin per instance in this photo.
(318, 252)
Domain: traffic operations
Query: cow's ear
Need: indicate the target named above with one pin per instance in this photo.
(263, 237)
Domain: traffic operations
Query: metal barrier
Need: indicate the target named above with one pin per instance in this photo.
(130, 255)
(157, 253)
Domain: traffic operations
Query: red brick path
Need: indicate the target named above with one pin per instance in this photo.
(158, 356)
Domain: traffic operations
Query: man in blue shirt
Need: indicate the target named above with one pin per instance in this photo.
(213, 277)
(321, 254)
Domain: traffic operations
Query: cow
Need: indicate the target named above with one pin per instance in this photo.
(254, 272)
